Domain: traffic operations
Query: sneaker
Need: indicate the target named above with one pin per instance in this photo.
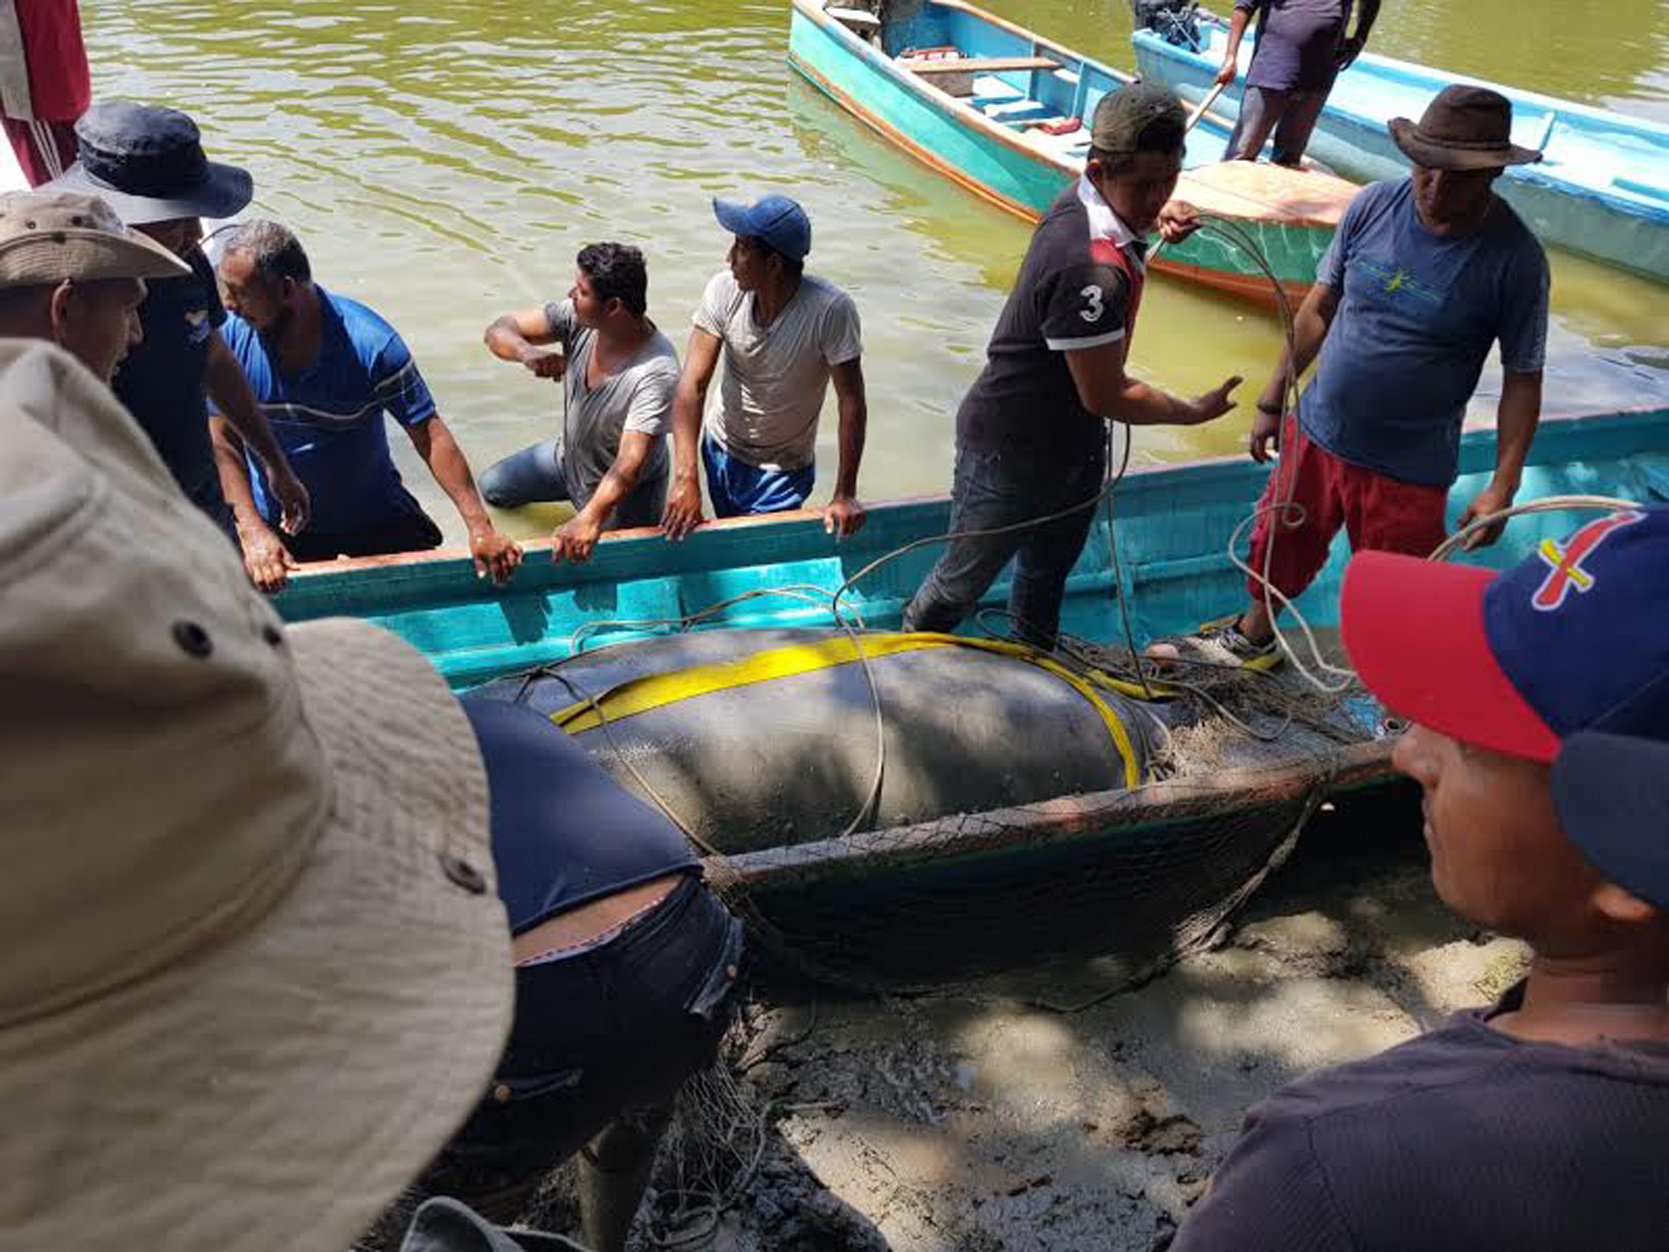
(1220, 643)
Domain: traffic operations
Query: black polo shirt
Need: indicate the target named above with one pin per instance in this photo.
(161, 382)
(1071, 294)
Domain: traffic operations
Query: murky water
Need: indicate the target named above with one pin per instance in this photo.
(445, 159)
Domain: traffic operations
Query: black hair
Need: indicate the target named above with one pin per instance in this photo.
(616, 272)
(274, 250)
(791, 265)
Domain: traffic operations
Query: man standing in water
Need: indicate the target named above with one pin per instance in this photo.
(1542, 1123)
(1301, 47)
(785, 335)
(147, 163)
(1031, 433)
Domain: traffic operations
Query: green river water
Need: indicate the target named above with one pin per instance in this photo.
(443, 160)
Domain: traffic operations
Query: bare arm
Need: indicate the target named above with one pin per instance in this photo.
(1366, 16)
(1309, 330)
(495, 554)
(1516, 419)
(229, 389)
(683, 503)
(844, 514)
(517, 337)
(1107, 391)
(1238, 21)
(575, 539)
(264, 555)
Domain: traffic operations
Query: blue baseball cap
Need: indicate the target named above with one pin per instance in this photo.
(1612, 792)
(1575, 637)
(777, 220)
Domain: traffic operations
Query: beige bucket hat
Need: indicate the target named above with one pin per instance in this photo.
(51, 236)
(253, 968)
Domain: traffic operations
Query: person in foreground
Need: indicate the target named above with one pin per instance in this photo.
(618, 373)
(280, 977)
(254, 970)
(784, 335)
(72, 274)
(1301, 49)
(324, 369)
(1424, 276)
(1542, 1122)
(147, 163)
(1031, 433)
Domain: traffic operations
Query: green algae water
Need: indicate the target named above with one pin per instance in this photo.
(443, 161)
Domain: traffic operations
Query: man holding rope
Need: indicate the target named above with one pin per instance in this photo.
(1031, 432)
(1423, 276)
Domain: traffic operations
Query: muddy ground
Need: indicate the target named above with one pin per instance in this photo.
(1022, 1115)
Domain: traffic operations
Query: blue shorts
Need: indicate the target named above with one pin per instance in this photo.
(738, 488)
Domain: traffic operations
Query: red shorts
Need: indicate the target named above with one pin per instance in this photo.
(1376, 511)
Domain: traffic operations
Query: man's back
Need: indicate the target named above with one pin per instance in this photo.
(328, 417)
(1466, 1139)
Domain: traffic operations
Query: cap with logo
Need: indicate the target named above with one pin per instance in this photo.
(51, 237)
(777, 220)
(253, 968)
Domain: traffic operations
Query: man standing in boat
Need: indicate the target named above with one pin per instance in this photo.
(785, 336)
(618, 372)
(1424, 275)
(1031, 433)
(1301, 47)
(324, 370)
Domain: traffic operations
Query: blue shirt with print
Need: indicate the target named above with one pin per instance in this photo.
(329, 418)
(1417, 315)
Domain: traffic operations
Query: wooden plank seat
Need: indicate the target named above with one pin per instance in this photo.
(979, 65)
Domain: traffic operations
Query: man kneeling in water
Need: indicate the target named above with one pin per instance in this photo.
(625, 967)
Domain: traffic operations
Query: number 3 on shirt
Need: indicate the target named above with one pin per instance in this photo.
(1091, 312)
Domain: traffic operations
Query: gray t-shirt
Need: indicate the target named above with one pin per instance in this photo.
(636, 397)
(775, 377)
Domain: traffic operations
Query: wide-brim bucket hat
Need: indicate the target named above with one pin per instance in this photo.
(53, 237)
(147, 163)
(255, 970)
(1463, 128)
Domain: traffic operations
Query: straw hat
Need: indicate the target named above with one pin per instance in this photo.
(253, 969)
(50, 237)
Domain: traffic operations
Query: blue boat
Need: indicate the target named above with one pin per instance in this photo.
(1005, 113)
(1139, 869)
(1602, 188)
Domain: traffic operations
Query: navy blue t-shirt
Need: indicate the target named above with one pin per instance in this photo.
(564, 832)
(1297, 43)
(161, 381)
(329, 418)
(1417, 316)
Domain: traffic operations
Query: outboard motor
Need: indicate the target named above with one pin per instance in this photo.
(1175, 21)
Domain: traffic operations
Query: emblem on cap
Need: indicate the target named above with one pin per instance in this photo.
(1565, 569)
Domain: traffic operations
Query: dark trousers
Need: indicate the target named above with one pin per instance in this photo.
(995, 489)
(534, 475)
(1290, 115)
(410, 530)
(599, 1038)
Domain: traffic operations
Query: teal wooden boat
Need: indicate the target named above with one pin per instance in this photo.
(1005, 113)
(1136, 871)
(1601, 190)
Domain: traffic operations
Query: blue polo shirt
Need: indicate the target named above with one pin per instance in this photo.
(1418, 314)
(329, 418)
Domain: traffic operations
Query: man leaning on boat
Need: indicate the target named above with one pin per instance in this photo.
(1031, 433)
(1424, 275)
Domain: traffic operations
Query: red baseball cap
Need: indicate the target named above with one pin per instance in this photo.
(1576, 637)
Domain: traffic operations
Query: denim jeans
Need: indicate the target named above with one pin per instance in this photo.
(535, 475)
(606, 1035)
(1000, 488)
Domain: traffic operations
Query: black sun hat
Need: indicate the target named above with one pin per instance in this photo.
(147, 163)
(1463, 128)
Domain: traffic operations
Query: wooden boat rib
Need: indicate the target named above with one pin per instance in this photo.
(981, 100)
(1601, 190)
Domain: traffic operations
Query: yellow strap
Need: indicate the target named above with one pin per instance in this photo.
(652, 691)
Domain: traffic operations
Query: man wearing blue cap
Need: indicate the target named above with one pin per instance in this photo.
(1540, 699)
(785, 336)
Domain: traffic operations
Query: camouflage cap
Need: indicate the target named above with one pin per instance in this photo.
(1139, 117)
